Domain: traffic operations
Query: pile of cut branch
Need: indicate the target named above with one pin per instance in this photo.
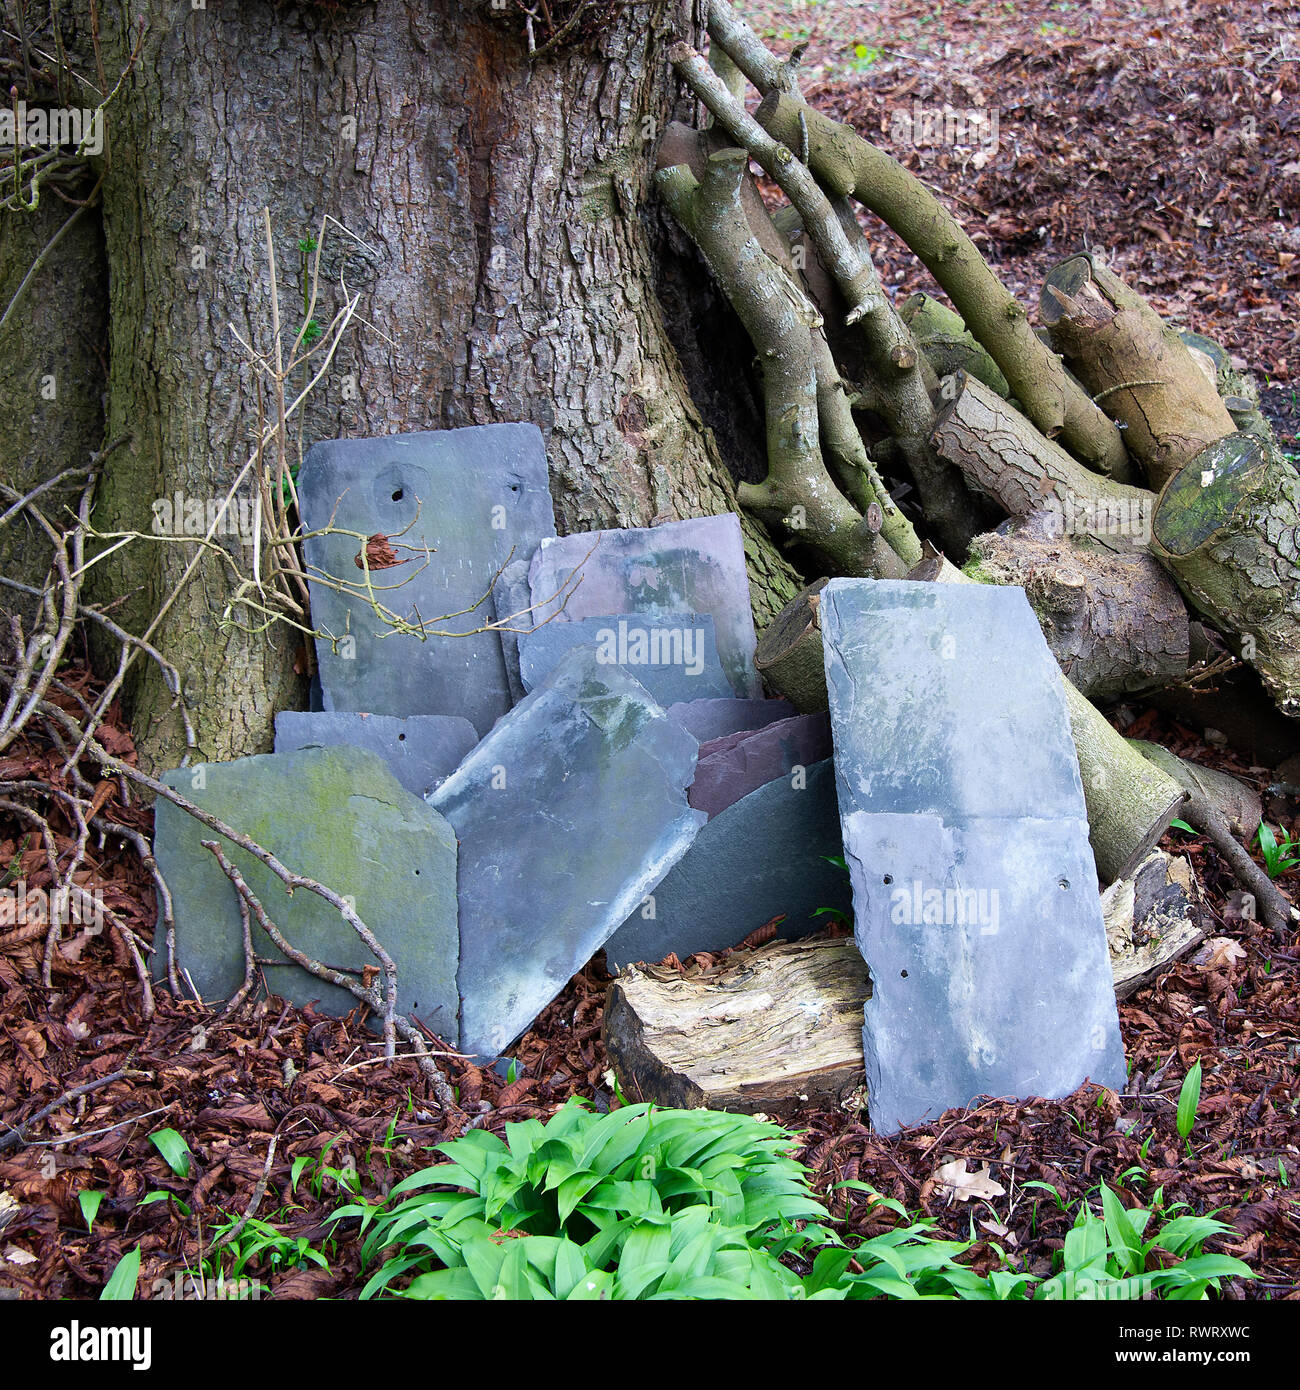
(1117, 469)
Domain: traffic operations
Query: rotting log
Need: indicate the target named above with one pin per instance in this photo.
(1114, 618)
(1228, 526)
(762, 1031)
(790, 655)
(1135, 365)
(1005, 457)
(846, 164)
(1153, 916)
(780, 1027)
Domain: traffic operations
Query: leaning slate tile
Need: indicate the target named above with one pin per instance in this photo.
(339, 816)
(734, 766)
(988, 958)
(962, 807)
(767, 854)
(674, 655)
(456, 506)
(568, 814)
(695, 566)
(710, 719)
(946, 699)
(420, 751)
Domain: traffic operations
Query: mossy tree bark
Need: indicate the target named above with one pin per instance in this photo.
(504, 274)
(1228, 526)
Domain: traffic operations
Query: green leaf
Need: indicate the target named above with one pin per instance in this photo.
(1188, 1099)
(1125, 1237)
(1182, 825)
(295, 1171)
(89, 1203)
(174, 1149)
(121, 1283)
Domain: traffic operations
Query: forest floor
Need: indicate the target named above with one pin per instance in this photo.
(1171, 139)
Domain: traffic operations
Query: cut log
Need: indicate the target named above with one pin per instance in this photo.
(1228, 526)
(763, 1030)
(1237, 805)
(1153, 916)
(1113, 618)
(1004, 456)
(1136, 367)
(789, 655)
(779, 1028)
(846, 164)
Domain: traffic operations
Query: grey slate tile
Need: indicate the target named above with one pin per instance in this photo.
(710, 719)
(339, 816)
(468, 502)
(694, 566)
(764, 855)
(420, 751)
(674, 655)
(568, 813)
(961, 804)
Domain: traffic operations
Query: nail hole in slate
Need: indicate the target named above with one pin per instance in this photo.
(889, 878)
(1063, 884)
(398, 495)
(401, 738)
(902, 974)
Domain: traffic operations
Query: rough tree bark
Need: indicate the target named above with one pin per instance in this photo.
(51, 372)
(504, 269)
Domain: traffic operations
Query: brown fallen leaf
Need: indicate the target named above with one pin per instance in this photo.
(379, 555)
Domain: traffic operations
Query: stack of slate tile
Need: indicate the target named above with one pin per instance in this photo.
(534, 750)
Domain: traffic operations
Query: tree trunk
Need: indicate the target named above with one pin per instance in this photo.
(493, 234)
(51, 374)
